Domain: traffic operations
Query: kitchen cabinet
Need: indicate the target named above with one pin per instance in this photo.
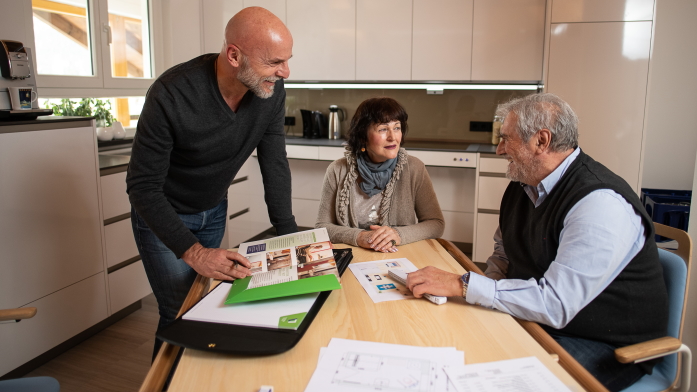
(601, 70)
(383, 39)
(491, 185)
(239, 204)
(569, 11)
(442, 40)
(508, 40)
(126, 276)
(50, 235)
(331, 54)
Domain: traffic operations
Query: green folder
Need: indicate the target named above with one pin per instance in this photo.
(239, 292)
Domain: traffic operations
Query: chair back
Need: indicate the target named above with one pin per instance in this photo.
(676, 274)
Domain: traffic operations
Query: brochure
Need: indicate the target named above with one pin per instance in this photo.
(294, 264)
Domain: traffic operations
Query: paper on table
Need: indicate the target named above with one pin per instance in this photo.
(351, 365)
(513, 375)
(266, 313)
(373, 276)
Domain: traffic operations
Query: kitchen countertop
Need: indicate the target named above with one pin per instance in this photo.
(44, 120)
(409, 144)
(114, 163)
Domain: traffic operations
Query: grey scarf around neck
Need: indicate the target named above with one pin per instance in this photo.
(375, 175)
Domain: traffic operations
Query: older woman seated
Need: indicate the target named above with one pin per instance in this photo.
(378, 196)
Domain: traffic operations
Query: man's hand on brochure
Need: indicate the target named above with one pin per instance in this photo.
(217, 263)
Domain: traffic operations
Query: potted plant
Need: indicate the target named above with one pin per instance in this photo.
(107, 126)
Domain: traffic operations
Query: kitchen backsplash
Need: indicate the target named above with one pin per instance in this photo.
(431, 117)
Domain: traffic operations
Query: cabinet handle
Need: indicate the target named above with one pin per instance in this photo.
(238, 180)
(236, 214)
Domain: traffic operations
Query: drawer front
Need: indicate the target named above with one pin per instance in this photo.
(114, 197)
(238, 226)
(484, 243)
(59, 316)
(302, 152)
(120, 244)
(493, 165)
(491, 191)
(458, 226)
(448, 159)
(307, 179)
(238, 195)
(128, 285)
(331, 153)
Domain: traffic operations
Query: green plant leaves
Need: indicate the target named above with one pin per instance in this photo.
(100, 109)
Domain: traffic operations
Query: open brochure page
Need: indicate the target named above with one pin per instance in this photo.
(291, 257)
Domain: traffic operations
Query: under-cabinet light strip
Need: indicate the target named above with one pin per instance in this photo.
(412, 86)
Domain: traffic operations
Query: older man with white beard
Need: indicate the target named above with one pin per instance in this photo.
(574, 251)
(201, 121)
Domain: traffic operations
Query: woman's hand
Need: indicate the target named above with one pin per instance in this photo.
(380, 238)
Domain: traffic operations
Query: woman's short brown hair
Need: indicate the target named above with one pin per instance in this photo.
(374, 111)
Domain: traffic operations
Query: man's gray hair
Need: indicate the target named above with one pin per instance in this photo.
(540, 111)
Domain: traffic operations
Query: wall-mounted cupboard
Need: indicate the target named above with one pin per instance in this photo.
(390, 40)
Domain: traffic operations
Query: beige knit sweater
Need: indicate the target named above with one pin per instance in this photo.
(409, 203)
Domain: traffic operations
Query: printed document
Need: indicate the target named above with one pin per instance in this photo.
(513, 375)
(373, 276)
(353, 365)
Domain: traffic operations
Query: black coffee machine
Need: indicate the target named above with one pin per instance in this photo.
(314, 124)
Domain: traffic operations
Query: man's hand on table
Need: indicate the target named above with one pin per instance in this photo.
(431, 280)
(220, 264)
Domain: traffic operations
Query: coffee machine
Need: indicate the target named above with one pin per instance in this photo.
(314, 124)
(17, 70)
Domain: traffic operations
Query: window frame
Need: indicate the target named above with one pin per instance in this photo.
(102, 83)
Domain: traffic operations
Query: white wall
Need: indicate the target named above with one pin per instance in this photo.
(16, 22)
(671, 118)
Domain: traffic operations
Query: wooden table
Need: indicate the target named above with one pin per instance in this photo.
(484, 335)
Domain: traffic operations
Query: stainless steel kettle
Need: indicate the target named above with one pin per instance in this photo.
(336, 116)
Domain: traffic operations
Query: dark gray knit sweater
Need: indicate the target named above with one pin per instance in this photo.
(190, 145)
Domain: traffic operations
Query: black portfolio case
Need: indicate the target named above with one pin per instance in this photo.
(239, 339)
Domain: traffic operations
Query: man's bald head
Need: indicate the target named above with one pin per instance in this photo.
(256, 28)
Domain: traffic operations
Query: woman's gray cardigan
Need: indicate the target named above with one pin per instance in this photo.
(409, 203)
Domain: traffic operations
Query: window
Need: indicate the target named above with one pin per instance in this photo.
(88, 44)
(126, 110)
(62, 38)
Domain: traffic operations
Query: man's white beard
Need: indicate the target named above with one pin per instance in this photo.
(253, 82)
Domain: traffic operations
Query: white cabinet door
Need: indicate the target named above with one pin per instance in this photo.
(277, 7)
(50, 227)
(491, 190)
(216, 14)
(601, 70)
(442, 40)
(120, 243)
(484, 238)
(566, 11)
(114, 197)
(324, 39)
(128, 285)
(59, 316)
(383, 39)
(508, 40)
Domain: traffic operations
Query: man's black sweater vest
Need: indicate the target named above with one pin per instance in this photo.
(634, 307)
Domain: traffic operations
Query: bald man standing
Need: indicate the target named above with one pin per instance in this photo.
(201, 121)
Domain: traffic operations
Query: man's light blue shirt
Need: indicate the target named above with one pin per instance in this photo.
(602, 233)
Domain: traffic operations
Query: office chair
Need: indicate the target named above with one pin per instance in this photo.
(673, 373)
(28, 384)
